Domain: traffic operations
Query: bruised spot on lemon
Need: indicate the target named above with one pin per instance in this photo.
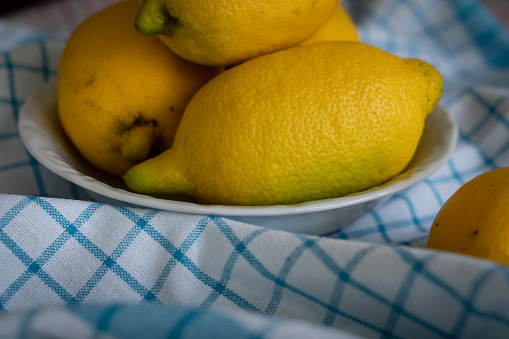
(311, 122)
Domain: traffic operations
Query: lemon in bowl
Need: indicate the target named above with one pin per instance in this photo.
(311, 122)
(43, 136)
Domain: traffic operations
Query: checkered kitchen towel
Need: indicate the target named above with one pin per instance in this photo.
(71, 265)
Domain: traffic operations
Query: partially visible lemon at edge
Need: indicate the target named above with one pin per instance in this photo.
(475, 219)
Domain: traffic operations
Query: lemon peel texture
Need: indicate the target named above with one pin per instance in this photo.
(307, 123)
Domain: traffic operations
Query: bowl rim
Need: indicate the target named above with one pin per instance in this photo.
(37, 137)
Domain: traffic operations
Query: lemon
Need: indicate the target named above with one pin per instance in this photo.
(310, 122)
(121, 94)
(339, 27)
(475, 219)
(229, 32)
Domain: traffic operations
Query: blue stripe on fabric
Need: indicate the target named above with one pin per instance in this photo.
(14, 211)
(362, 233)
(431, 31)
(177, 331)
(104, 321)
(196, 271)
(497, 55)
(8, 102)
(35, 167)
(26, 325)
(29, 68)
(467, 138)
(436, 194)
(407, 257)
(44, 57)
(132, 234)
(15, 166)
(37, 175)
(380, 226)
(411, 208)
(15, 248)
(128, 278)
(13, 288)
(454, 98)
(10, 75)
(455, 172)
(500, 152)
(92, 248)
(158, 285)
(411, 242)
(90, 284)
(397, 309)
(283, 274)
(109, 262)
(492, 111)
(341, 281)
(459, 326)
(189, 264)
(495, 49)
(53, 284)
(334, 267)
(265, 331)
(228, 268)
(74, 190)
(35, 266)
(15, 107)
(8, 136)
(194, 234)
(256, 264)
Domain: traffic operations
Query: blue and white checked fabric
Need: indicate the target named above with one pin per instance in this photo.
(66, 258)
(165, 258)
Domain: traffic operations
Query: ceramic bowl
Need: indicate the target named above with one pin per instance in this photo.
(45, 139)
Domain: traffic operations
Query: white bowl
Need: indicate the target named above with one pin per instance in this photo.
(45, 139)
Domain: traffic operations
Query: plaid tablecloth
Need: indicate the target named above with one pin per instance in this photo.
(72, 266)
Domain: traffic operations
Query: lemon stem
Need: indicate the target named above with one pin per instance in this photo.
(154, 19)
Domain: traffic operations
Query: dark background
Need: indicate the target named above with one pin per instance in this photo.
(9, 5)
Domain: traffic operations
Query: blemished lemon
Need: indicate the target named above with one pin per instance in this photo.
(121, 94)
(228, 32)
(307, 123)
(339, 27)
(475, 219)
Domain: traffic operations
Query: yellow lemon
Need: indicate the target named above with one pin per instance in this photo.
(229, 32)
(339, 27)
(121, 94)
(310, 122)
(475, 219)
